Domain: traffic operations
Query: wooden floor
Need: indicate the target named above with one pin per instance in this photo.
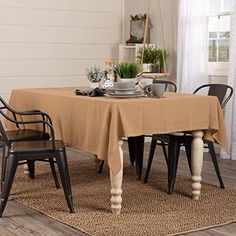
(20, 220)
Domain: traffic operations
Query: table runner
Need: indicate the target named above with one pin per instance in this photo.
(96, 124)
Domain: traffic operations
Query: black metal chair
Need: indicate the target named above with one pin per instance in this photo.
(21, 133)
(175, 141)
(32, 151)
(169, 85)
(136, 144)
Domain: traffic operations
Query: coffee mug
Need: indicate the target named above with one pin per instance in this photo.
(155, 90)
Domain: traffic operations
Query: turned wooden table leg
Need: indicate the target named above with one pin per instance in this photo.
(196, 163)
(116, 184)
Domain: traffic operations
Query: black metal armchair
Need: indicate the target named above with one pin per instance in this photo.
(20, 133)
(175, 141)
(16, 152)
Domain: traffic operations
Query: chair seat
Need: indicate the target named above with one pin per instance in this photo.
(36, 146)
(26, 134)
(166, 137)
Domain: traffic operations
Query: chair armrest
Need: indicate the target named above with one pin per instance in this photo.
(52, 135)
(43, 121)
(35, 112)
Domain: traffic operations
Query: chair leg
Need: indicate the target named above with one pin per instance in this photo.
(65, 178)
(136, 148)
(150, 158)
(51, 161)
(215, 162)
(101, 167)
(4, 159)
(31, 167)
(139, 156)
(131, 145)
(11, 165)
(173, 159)
(163, 145)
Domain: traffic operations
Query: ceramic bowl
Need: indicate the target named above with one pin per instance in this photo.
(124, 85)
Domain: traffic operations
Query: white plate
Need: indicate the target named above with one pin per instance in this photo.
(122, 95)
(122, 91)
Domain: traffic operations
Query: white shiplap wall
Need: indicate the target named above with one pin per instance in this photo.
(49, 43)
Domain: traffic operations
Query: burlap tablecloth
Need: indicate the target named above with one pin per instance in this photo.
(96, 124)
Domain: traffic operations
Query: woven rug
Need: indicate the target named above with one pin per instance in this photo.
(147, 208)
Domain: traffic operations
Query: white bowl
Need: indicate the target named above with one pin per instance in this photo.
(124, 85)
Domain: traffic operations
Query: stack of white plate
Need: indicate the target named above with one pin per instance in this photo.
(123, 89)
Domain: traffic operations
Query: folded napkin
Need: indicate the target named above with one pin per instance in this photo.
(92, 92)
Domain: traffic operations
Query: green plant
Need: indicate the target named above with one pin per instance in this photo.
(94, 74)
(127, 69)
(138, 17)
(134, 39)
(150, 55)
(156, 67)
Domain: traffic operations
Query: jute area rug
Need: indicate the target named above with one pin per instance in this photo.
(147, 208)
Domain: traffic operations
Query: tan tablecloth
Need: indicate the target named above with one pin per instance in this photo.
(96, 124)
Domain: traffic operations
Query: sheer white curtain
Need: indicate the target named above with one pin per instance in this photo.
(192, 49)
(230, 113)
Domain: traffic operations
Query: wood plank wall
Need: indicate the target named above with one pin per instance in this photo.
(49, 43)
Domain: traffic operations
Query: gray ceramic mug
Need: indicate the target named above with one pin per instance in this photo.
(155, 90)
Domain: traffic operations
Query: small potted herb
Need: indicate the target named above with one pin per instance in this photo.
(94, 75)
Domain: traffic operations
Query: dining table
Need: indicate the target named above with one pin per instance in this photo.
(99, 124)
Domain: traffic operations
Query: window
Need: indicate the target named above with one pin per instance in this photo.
(219, 30)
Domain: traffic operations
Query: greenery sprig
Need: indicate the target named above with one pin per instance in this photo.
(127, 69)
(150, 54)
(94, 74)
(138, 17)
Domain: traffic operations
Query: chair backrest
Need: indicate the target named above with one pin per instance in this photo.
(169, 86)
(14, 116)
(223, 91)
(3, 106)
(4, 138)
(6, 111)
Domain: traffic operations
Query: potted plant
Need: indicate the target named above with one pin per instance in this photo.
(155, 67)
(94, 75)
(149, 56)
(127, 71)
